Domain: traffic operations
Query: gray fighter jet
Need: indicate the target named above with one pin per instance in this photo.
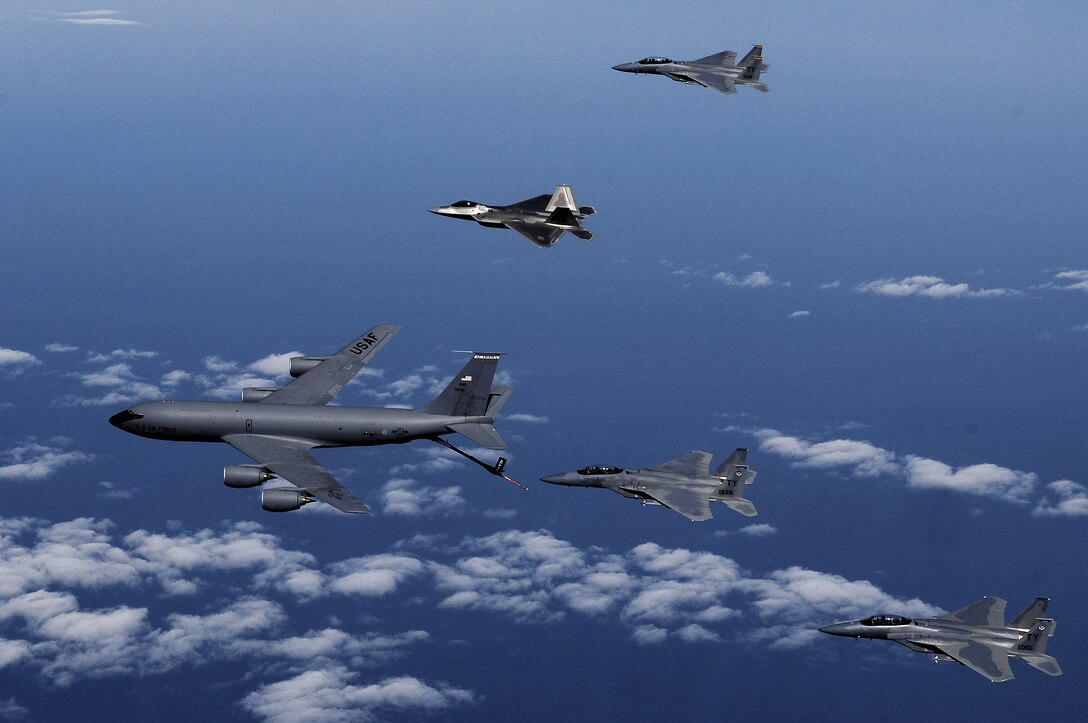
(975, 636)
(683, 484)
(718, 72)
(541, 219)
(277, 428)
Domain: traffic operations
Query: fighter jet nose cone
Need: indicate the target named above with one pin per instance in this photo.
(836, 629)
(552, 479)
(118, 419)
(435, 210)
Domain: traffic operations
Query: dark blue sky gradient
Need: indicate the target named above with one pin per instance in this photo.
(251, 179)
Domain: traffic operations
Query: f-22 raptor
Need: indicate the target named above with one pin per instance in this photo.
(975, 636)
(683, 484)
(541, 219)
(277, 428)
(718, 72)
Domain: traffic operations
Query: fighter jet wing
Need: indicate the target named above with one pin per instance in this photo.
(693, 464)
(536, 203)
(320, 384)
(719, 83)
(988, 612)
(290, 459)
(725, 58)
(541, 235)
(988, 660)
(691, 503)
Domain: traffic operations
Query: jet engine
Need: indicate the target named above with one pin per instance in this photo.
(302, 364)
(284, 499)
(240, 476)
(256, 394)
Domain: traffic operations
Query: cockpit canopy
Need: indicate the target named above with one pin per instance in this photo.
(886, 620)
(653, 60)
(464, 204)
(601, 470)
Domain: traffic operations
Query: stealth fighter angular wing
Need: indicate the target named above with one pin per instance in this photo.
(536, 203)
(543, 236)
(320, 384)
(290, 459)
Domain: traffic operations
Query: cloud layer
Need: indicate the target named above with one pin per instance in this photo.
(860, 458)
(49, 571)
(931, 287)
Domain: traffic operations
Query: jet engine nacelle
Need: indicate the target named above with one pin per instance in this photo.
(240, 476)
(302, 364)
(256, 394)
(284, 499)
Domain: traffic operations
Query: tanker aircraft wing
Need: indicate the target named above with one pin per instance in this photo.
(290, 460)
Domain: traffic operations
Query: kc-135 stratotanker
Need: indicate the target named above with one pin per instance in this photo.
(277, 428)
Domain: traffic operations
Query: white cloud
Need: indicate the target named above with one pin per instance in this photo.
(127, 354)
(98, 21)
(798, 314)
(274, 365)
(92, 17)
(1072, 280)
(932, 287)
(655, 593)
(531, 418)
(373, 575)
(13, 358)
(1072, 500)
(34, 461)
(59, 348)
(831, 285)
(754, 280)
(649, 634)
(121, 383)
(500, 513)
(44, 626)
(407, 497)
(330, 695)
(988, 480)
(758, 530)
(175, 377)
(864, 459)
(10, 708)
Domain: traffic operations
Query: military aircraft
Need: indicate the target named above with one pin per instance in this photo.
(541, 219)
(683, 484)
(717, 72)
(975, 636)
(277, 427)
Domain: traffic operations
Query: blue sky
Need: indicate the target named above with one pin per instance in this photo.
(873, 276)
